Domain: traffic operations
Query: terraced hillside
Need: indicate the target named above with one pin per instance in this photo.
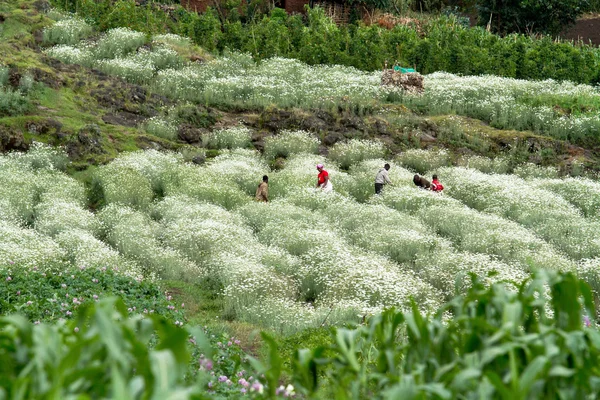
(131, 162)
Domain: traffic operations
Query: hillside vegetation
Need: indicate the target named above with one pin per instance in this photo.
(129, 167)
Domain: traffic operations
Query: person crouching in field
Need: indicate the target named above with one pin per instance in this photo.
(382, 178)
(421, 182)
(262, 192)
(323, 181)
(436, 186)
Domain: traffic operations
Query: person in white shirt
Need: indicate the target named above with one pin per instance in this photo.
(382, 178)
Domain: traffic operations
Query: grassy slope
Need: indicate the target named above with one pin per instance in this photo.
(67, 97)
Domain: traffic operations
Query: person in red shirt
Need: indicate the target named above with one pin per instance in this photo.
(323, 181)
(436, 186)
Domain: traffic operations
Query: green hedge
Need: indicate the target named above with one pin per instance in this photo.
(441, 44)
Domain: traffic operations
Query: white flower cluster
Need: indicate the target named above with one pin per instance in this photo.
(68, 31)
(355, 150)
(171, 39)
(423, 161)
(160, 127)
(287, 142)
(288, 83)
(118, 42)
(229, 138)
(505, 103)
(549, 215)
(71, 54)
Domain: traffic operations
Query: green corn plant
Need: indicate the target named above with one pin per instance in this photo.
(535, 342)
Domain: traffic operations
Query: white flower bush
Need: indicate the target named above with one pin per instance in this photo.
(503, 103)
(583, 193)
(28, 248)
(71, 54)
(286, 143)
(423, 161)
(496, 165)
(171, 40)
(229, 138)
(118, 42)
(529, 170)
(160, 127)
(355, 150)
(55, 216)
(68, 31)
(551, 216)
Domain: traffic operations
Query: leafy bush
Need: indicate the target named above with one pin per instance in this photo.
(43, 293)
(148, 356)
(13, 103)
(4, 73)
(548, 16)
(317, 40)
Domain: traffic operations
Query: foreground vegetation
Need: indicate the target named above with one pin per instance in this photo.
(495, 342)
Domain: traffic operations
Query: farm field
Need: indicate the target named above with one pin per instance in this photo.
(305, 258)
(141, 266)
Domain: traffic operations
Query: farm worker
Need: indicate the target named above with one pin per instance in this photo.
(382, 178)
(421, 182)
(323, 181)
(262, 192)
(436, 186)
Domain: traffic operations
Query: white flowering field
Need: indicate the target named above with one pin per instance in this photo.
(558, 109)
(306, 257)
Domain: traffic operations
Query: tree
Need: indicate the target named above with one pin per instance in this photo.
(529, 16)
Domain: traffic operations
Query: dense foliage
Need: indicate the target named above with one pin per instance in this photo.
(533, 341)
(442, 44)
(105, 353)
(543, 16)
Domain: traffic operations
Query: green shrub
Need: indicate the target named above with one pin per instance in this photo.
(4, 73)
(494, 344)
(13, 103)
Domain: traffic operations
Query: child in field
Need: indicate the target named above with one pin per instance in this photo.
(323, 181)
(436, 186)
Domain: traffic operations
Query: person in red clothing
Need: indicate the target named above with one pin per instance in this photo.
(323, 181)
(436, 186)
